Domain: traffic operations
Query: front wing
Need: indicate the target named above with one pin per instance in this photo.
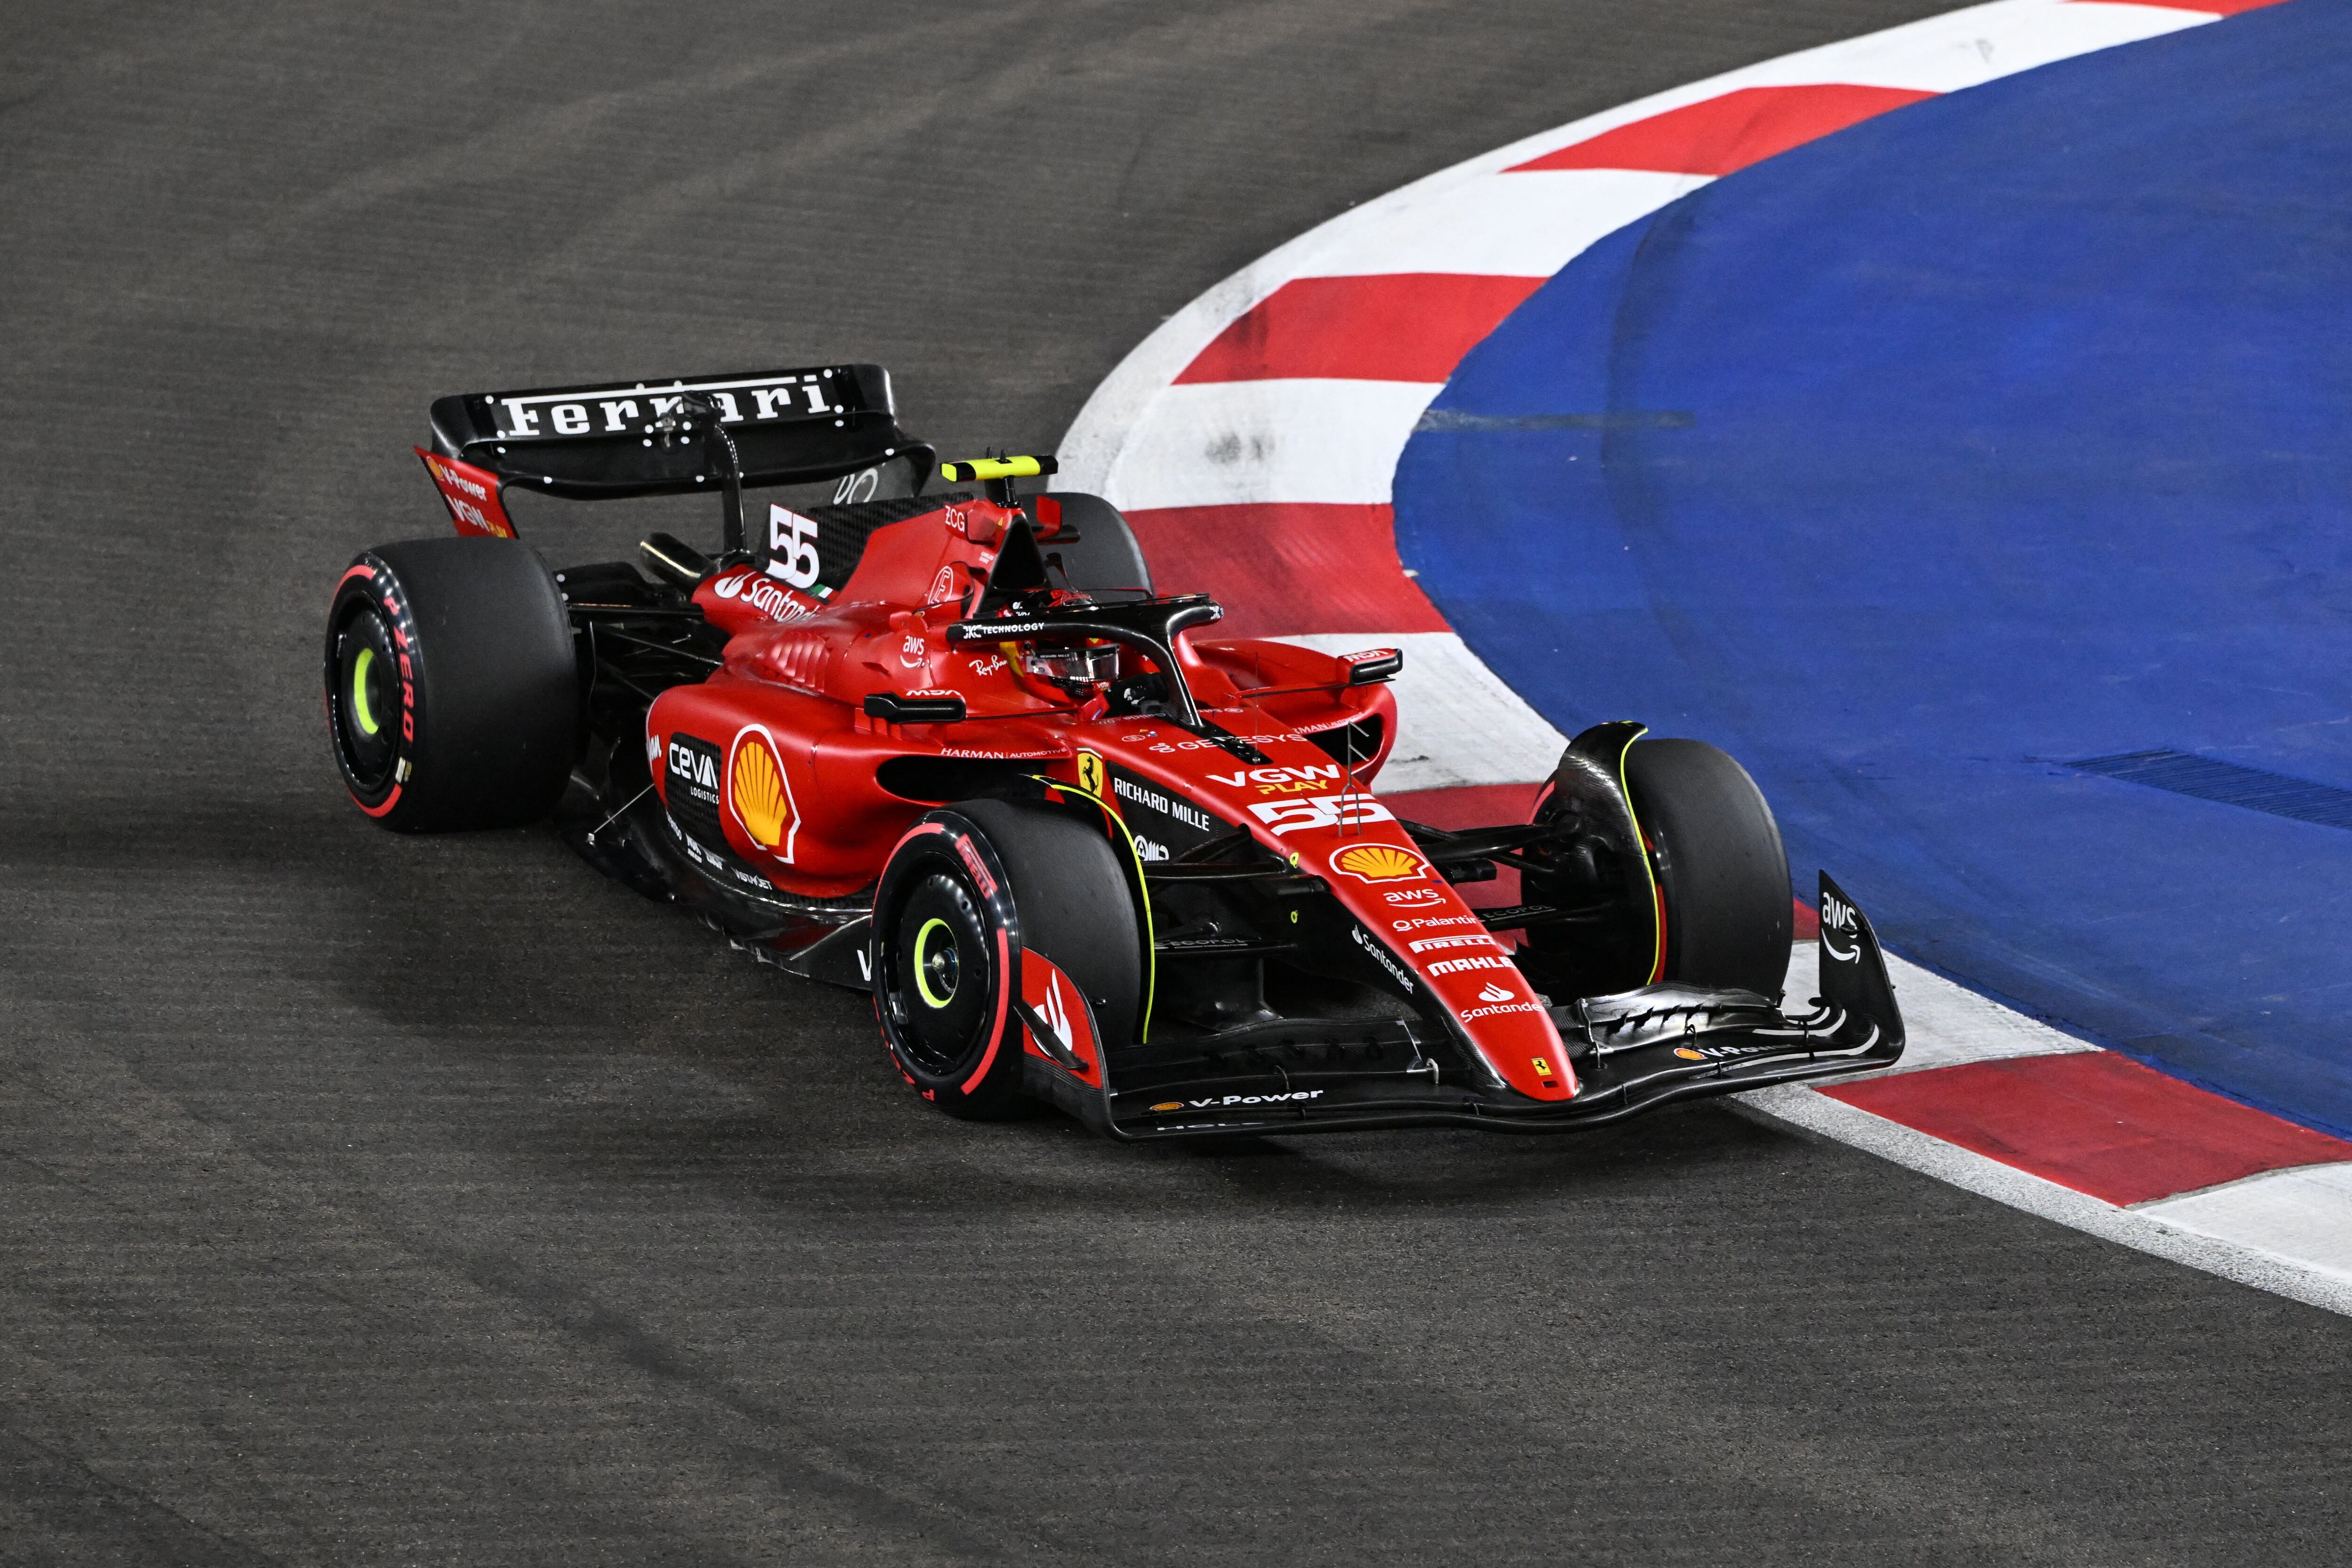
(1629, 1053)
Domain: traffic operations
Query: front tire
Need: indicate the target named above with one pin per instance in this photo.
(1722, 871)
(453, 692)
(966, 896)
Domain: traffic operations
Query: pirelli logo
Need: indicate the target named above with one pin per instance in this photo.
(632, 410)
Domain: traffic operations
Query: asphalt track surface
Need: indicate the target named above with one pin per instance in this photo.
(378, 1200)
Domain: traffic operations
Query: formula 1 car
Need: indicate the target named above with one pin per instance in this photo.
(953, 748)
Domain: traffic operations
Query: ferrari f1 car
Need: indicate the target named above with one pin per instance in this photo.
(952, 747)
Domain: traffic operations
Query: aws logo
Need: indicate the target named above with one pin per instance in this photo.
(758, 794)
(1838, 920)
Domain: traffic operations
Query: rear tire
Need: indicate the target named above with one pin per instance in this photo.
(1721, 866)
(453, 690)
(964, 894)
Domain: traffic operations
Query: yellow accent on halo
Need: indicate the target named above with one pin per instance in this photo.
(758, 789)
(966, 470)
(359, 692)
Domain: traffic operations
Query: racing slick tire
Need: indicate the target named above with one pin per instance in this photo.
(1105, 555)
(453, 690)
(1722, 872)
(967, 893)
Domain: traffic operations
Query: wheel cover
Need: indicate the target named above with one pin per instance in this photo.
(939, 976)
(364, 701)
(359, 710)
(936, 962)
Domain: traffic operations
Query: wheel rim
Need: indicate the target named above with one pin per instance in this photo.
(939, 975)
(365, 701)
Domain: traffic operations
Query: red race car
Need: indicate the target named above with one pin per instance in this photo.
(952, 747)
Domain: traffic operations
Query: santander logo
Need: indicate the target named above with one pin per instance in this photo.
(765, 595)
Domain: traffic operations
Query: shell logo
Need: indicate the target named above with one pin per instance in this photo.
(756, 789)
(1380, 863)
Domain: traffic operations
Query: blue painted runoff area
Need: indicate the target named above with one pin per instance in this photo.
(2009, 430)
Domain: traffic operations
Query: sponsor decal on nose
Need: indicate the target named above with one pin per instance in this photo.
(1380, 863)
(1456, 965)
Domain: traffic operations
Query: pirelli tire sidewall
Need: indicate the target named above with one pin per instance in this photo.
(979, 1078)
(483, 713)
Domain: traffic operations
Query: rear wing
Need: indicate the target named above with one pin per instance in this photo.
(597, 442)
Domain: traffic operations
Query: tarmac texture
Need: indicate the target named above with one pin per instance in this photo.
(380, 1199)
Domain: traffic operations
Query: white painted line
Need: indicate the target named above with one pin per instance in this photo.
(2137, 1228)
(1227, 442)
(1457, 723)
(1967, 49)
(1961, 48)
(1946, 1025)
(2285, 1231)
(1510, 225)
(2304, 1215)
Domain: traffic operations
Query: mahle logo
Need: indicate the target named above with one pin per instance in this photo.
(1481, 960)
